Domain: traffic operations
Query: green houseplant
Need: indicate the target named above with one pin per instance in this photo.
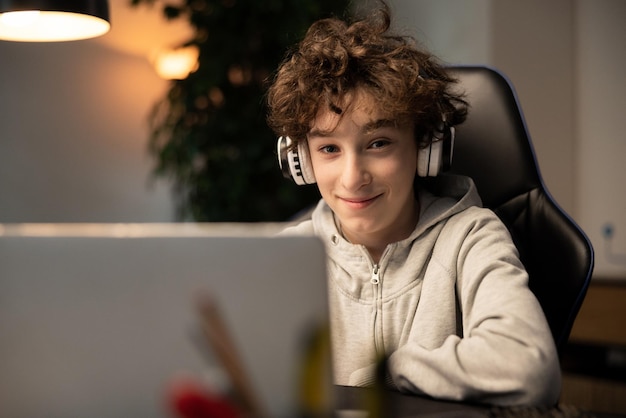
(208, 134)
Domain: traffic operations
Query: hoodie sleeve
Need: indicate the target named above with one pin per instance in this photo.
(506, 354)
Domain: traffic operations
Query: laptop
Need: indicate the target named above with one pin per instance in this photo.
(98, 320)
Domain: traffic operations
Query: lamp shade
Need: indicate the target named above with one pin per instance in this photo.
(50, 20)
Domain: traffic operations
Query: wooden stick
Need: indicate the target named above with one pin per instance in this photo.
(219, 339)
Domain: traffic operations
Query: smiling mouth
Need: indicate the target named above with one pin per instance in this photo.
(360, 202)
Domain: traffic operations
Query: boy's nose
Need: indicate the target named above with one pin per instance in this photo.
(355, 174)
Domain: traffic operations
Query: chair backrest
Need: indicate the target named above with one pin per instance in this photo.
(494, 148)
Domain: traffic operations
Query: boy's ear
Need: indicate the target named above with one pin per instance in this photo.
(295, 161)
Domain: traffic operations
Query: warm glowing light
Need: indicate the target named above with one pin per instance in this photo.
(176, 64)
(44, 26)
(19, 19)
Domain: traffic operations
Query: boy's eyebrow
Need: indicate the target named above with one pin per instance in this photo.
(377, 124)
(319, 133)
(367, 128)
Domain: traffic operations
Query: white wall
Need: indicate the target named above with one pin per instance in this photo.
(73, 135)
(457, 31)
(600, 115)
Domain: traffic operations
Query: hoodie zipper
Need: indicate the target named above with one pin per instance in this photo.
(378, 328)
(375, 279)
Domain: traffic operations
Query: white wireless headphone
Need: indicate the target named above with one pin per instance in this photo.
(295, 162)
(437, 156)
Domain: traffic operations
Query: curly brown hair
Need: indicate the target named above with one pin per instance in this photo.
(336, 57)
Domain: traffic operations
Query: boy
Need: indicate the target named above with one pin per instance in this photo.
(418, 272)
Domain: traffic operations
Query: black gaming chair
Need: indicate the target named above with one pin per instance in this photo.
(494, 148)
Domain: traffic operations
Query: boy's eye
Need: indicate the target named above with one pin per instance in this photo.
(328, 149)
(379, 143)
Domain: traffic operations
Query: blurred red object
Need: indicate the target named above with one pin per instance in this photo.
(188, 398)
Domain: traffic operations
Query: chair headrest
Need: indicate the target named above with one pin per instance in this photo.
(493, 145)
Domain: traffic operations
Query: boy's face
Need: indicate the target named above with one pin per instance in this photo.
(365, 166)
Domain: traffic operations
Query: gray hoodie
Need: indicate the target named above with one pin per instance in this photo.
(449, 306)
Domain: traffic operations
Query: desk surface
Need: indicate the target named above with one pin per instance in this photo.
(398, 405)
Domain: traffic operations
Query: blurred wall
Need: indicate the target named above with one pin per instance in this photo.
(600, 103)
(73, 135)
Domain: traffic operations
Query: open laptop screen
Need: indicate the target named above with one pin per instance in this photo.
(96, 320)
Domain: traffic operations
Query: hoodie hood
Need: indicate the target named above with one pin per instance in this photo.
(442, 197)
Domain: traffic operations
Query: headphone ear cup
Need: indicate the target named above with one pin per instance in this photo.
(436, 154)
(295, 163)
(306, 166)
(448, 149)
(436, 157)
(423, 161)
